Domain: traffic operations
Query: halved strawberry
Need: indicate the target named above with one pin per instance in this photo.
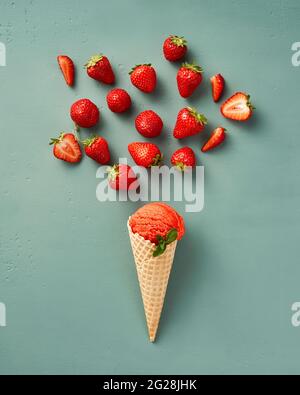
(238, 107)
(67, 67)
(216, 138)
(66, 148)
(217, 84)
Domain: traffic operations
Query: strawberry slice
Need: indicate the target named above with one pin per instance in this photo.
(66, 148)
(67, 67)
(217, 84)
(216, 138)
(238, 107)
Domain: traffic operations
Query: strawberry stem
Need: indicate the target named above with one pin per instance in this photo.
(180, 166)
(179, 41)
(138, 65)
(89, 141)
(57, 139)
(113, 172)
(249, 104)
(76, 132)
(157, 160)
(93, 60)
(193, 66)
(201, 118)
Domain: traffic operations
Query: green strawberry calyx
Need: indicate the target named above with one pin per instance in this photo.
(193, 67)
(113, 172)
(164, 241)
(58, 139)
(179, 41)
(180, 166)
(90, 141)
(200, 118)
(249, 104)
(157, 160)
(139, 65)
(93, 60)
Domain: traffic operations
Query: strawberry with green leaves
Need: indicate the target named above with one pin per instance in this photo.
(183, 157)
(189, 122)
(174, 48)
(99, 68)
(143, 77)
(67, 68)
(122, 177)
(238, 107)
(145, 154)
(189, 77)
(97, 149)
(162, 242)
(66, 148)
(217, 137)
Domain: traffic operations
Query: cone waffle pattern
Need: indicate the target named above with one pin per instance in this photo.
(153, 275)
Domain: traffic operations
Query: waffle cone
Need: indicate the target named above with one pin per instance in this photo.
(153, 275)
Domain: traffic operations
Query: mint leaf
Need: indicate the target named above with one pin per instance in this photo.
(171, 236)
(160, 249)
(159, 238)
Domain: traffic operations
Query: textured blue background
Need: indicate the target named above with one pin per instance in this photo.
(66, 270)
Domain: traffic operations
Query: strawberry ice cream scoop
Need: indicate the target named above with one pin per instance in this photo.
(154, 221)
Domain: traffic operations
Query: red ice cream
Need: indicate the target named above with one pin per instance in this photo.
(156, 219)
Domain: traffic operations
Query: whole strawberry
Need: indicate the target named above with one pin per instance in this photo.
(122, 177)
(99, 68)
(118, 100)
(66, 148)
(189, 77)
(84, 113)
(67, 68)
(174, 48)
(145, 154)
(183, 157)
(143, 77)
(188, 123)
(97, 149)
(149, 124)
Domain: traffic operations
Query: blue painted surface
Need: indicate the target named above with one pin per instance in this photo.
(66, 272)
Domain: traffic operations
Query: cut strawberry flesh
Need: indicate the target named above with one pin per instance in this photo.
(217, 137)
(67, 150)
(237, 107)
(67, 67)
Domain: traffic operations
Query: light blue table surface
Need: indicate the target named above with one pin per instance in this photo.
(66, 270)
